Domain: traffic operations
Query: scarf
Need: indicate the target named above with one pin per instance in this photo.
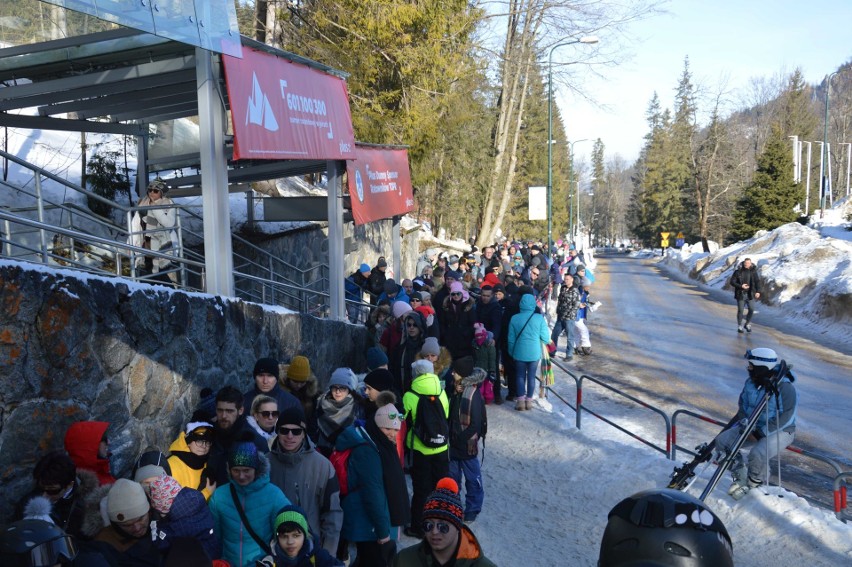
(465, 405)
(334, 416)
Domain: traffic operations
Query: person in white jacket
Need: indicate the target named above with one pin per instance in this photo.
(150, 228)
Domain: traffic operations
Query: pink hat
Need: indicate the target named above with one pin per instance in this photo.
(163, 492)
(457, 287)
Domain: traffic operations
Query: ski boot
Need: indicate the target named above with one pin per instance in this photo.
(740, 485)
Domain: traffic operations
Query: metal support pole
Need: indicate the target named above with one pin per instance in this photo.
(337, 306)
(821, 174)
(808, 181)
(218, 251)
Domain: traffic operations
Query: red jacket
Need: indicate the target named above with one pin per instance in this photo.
(82, 441)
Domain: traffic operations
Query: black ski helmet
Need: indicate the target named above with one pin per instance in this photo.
(664, 528)
(35, 543)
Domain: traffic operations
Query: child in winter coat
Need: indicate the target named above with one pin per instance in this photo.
(485, 357)
(468, 424)
(293, 545)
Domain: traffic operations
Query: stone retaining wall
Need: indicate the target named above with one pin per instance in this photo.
(77, 347)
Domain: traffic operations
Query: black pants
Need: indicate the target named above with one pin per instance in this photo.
(369, 555)
(426, 471)
(509, 373)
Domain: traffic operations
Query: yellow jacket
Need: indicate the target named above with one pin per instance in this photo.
(183, 473)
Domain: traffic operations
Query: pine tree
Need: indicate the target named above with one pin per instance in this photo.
(768, 201)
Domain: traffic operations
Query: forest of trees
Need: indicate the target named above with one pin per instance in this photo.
(463, 84)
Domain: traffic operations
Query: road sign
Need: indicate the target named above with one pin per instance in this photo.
(664, 239)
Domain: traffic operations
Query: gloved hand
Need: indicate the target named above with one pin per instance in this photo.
(265, 562)
(388, 551)
(724, 442)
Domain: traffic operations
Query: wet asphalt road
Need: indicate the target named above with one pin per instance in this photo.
(675, 345)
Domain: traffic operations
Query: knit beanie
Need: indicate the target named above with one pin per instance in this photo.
(388, 417)
(163, 492)
(379, 379)
(463, 366)
(364, 268)
(421, 367)
(291, 514)
(126, 501)
(480, 333)
(430, 346)
(244, 454)
(148, 471)
(299, 369)
(424, 295)
(292, 416)
(376, 357)
(391, 286)
(400, 308)
(342, 377)
(444, 503)
(266, 366)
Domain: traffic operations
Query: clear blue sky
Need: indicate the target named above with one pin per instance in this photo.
(731, 40)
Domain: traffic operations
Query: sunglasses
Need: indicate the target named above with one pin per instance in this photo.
(268, 414)
(294, 431)
(415, 299)
(52, 491)
(458, 293)
(155, 190)
(393, 416)
(428, 526)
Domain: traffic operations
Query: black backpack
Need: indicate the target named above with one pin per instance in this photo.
(431, 425)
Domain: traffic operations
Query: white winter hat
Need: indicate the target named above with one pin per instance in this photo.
(420, 367)
(126, 501)
(762, 357)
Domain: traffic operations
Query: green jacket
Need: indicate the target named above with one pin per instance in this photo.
(469, 554)
(430, 385)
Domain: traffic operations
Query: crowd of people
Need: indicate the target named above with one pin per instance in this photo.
(288, 473)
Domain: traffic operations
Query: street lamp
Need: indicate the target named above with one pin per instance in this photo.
(824, 180)
(570, 183)
(587, 39)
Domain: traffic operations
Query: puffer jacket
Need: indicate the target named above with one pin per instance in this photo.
(744, 276)
(82, 441)
(189, 517)
(188, 476)
(260, 501)
(365, 507)
(527, 331)
(457, 321)
(428, 385)
(308, 481)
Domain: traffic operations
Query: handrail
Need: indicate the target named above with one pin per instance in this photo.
(840, 493)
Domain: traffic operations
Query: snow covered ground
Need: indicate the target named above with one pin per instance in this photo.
(549, 487)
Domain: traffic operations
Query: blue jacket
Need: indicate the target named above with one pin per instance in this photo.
(525, 339)
(785, 412)
(365, 507)
(190, 517)
(260, 501)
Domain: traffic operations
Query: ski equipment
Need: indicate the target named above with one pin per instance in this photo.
(770, 388)
(35, 543)
(664, 527)
(430, 421)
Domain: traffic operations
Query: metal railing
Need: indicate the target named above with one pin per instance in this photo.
(840, 480)
(63, 234)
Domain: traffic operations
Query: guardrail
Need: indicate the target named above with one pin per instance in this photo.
(840, 485)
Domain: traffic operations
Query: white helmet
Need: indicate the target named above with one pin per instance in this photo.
(762, 357)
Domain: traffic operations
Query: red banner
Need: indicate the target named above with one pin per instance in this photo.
(379, 184)
(283, 110)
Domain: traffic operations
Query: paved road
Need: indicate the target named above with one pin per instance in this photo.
(676, 345)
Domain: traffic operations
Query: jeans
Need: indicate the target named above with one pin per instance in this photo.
(525, 377)
(567, 326)
(474, 494)
(742, 304)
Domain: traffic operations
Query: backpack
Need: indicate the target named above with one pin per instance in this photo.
(340, 462)
(431, 425)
